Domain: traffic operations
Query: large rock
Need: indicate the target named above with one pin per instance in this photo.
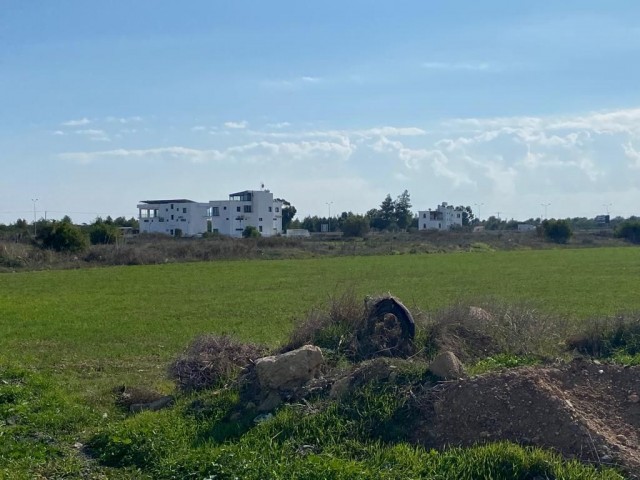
(289, 370)
(447, 366)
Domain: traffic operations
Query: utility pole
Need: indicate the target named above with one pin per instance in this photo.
(478, 205)
(329, 205)
(545, 205)
(34, 200)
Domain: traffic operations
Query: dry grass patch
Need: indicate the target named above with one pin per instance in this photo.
(211, 361)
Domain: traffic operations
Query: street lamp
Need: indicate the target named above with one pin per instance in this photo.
(545, 205)
(34, 200)
(478, 205)
(329, 205)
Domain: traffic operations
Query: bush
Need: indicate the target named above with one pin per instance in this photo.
(558, 231)
(62, 237)
(332, 329)
(103, 233)
(629, 230)
(614, 337)
(211, 361)
(495, 329)
(355, 226)
(250, 232)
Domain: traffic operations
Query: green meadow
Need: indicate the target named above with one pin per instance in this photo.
(82, 332)
(112, 322)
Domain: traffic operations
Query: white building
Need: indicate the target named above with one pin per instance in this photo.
(227, 217)
(180, 217)
(255, 208)
(444, 217)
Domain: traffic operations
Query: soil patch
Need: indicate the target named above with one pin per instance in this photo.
(583, 410)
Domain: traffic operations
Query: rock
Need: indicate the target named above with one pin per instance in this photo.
(289, 370)
(340, 388)
(153, 406)
(447, 366)
(633, 398)
(272, 401)
(478, 313)
(262, 418)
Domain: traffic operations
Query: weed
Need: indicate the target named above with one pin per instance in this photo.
(211, 361)
(615, 337)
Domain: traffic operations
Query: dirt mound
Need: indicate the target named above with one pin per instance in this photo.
(583, 410)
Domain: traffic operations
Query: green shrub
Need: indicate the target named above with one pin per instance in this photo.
(557, 231)
(629, 230)
(617, 338)
(103, 233)
(355, 226)
(250, 232)
(62, 237)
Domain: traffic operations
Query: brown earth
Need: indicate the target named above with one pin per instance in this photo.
(583, 410)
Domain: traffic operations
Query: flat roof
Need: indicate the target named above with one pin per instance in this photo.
(177, 200)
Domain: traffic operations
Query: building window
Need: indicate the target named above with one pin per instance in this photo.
(171, 217)
(424, 215)
(247, 209)
(260, 219)
(215, 211)
(172, 209)
(260, 228)
(277, 209)
(270, 209)
(184, 210)
(237, 209)
(224, 208)
(424, 225)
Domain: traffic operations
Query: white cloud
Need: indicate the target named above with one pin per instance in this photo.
(198, 128)
(237, 125)
(468, 66)
(76, 123)
(58, 132)
(311, 79)
(248, 153)
(278, 125)
(632, 154)
(94, 134)
(124, 120)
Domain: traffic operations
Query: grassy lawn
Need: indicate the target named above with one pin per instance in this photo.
(84, 322)
(92, 329)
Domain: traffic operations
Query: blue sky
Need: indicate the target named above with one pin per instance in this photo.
(500, 105)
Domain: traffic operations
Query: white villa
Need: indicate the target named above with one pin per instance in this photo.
(182, 217)
(249, 208)
(444, 217)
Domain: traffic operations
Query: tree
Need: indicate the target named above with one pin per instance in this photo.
(62, 237)
(629, 230)
(467, 215)
(387, 212)
(558, 231)
(250, 232)
(355, 226)
(103, 233)
(402, 210)
(288, 214)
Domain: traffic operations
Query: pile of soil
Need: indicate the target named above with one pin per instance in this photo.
(583, 410)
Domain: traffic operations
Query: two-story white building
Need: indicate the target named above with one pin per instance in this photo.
(179, 217)
(256, 208)
(445, 217)
(182, 217)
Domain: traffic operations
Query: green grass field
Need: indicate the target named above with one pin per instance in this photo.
(89, 330)
(129, 314)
